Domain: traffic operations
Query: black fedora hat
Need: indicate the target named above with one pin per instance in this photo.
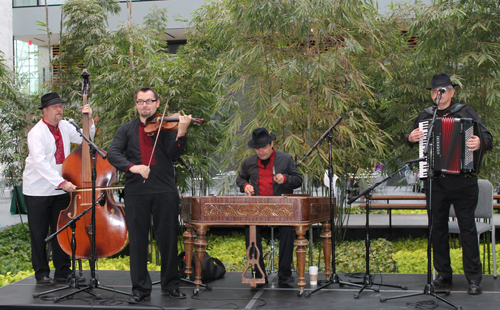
(50, 99)
(441, 80)
(260, 138)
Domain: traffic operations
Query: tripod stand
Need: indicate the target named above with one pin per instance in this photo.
(429, 288)
(73, 283)
(334, 277)
(368, 279)
(270, 255)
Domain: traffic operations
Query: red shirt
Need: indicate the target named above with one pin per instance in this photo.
(59, 155)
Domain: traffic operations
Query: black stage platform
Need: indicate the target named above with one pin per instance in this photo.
(230, 293)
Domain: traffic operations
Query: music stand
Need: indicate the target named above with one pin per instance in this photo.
(429, 288)
(368, 279)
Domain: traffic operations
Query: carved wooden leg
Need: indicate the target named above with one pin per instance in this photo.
(301, 242)
(327, 247)
(200, 243)
(253, 260)
(188, 246)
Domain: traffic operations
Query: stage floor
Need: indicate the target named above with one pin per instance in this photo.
(230, 293)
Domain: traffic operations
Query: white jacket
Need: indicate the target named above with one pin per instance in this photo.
(42, 175)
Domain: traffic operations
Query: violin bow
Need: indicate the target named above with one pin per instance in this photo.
(157, 135)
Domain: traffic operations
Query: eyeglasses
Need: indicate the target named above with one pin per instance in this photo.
(148, 101)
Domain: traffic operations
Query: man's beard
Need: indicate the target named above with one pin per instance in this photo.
(146, 113)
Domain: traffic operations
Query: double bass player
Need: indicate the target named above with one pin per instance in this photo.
(49, 144)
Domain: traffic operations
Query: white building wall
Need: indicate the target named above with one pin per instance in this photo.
(25, 18)
(6, 30)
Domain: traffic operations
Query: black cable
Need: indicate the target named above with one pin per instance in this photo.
(195, 297)
(427, 304)
(356, 275)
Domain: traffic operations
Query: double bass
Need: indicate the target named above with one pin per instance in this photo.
(111, 234)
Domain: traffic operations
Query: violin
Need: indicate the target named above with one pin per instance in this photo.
(168, 123)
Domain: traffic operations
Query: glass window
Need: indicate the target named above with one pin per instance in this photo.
(26, 66)
(21, 3)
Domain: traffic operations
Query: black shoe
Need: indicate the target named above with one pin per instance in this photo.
(474, 288)
(45, 281)
(68, 279)
(136, 298)
(442, 282)
(174, 293)
(284, 280)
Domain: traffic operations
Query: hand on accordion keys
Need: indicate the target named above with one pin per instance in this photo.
(474, 143)
(416, 135)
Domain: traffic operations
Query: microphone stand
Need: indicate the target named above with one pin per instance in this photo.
(429, 288)
(73, 283)
(190, 169)
(368, 279)
(94, 283)
(334, 278)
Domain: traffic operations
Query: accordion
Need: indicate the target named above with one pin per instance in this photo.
(448, 150)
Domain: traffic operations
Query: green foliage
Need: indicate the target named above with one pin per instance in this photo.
(135, 56)
(8, 278)
(295, 67)
(411, 256)
(276, 72)
(456, 37)
(15, 251)
(401, 256)
(230, 250)
(350, 255)
(18, 115)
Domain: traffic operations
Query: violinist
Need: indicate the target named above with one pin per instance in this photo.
(150, 189)
(49, 143)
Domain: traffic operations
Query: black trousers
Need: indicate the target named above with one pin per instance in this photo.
(164, 208)
(286, 237)
(43, 213)
(464, 200)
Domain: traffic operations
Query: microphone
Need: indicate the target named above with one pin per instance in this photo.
(72, 122)
(442, 90)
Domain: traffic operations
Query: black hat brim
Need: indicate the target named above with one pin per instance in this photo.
(261, 144)
(429, 88)
(54, 101)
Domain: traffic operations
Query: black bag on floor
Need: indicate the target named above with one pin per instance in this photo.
(212, 268)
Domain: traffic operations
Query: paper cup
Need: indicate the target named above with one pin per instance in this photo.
(313, 275)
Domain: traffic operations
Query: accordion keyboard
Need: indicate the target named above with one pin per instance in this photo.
(423, 165)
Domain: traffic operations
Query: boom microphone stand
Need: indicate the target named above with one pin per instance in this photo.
(368, 279)
(73, 283)
(334, 278)
(94, 283)
(429, 288)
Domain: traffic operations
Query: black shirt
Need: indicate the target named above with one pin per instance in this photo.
(124, 152)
